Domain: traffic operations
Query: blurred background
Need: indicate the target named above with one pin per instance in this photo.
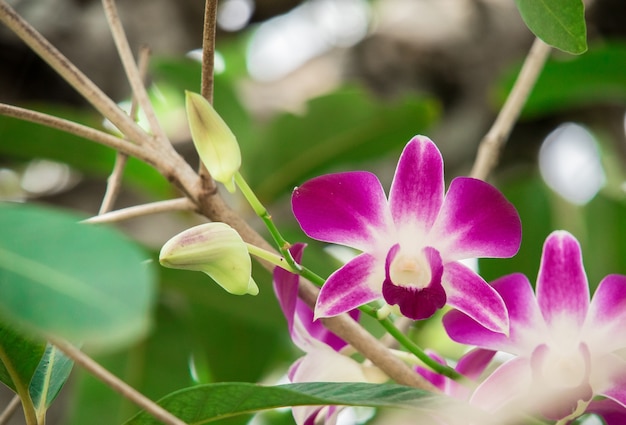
(311, 87)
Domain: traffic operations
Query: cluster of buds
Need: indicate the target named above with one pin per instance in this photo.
(213, 248)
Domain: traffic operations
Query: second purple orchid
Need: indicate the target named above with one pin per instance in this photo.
(411, 242)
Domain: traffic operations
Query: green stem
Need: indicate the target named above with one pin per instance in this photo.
(283, 246)
(21, 388)
(281, 262)
(312, 276)
(411, 346)
(270, 257)
(261, 211)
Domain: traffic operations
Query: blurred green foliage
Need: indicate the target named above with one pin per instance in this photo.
(244, 338)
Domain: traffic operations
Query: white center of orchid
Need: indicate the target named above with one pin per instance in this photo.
(564, 369)
(410, 270)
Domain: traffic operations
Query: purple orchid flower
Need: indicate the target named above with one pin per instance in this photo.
(412, 242)
(323, 360)
(565, 345)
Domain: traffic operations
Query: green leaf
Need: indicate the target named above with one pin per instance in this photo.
(207, 403)
(52, 372)
(531, 197)
(341, 128)
(80, 282)
(19, 358)
(559, 23)
(595, 77)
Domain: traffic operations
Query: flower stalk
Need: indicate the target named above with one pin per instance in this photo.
(415, 349)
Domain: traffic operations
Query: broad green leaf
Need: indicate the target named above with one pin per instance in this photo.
(52, 372)
(19, 358)
(531, 197)
(559, 23)
(194, 317)
(80, 282)
(595, 77)
(605, 248)
(208, 403)
(341, 128)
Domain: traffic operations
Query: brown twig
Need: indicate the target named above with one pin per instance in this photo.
(491, 145)
(115, 383)
(179, 204)
(8, 411)
(114, 182)
(207, 80)
(208, 49)
(133, 74)
(70, 73)
(80, 130)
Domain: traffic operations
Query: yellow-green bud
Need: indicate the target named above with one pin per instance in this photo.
(215, 142)
(215, 249)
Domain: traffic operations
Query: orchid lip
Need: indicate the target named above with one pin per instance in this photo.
(413, 282)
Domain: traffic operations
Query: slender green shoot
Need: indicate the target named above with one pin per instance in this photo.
(407, 343)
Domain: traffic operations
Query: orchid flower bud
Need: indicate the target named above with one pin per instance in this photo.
(215, 249)
(215, 142)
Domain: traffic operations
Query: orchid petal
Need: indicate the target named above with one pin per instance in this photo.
(613, 413)
(316, 328)
(323, 365)
(558, 399)
(356, 283)
(475, 221)
(609, 378)
(470, 294)
(431, 376)
(474, 363)
(562, 288)
(345, 208)
(304, 331)
(417, 190)
(606, 318)
(471, 365)
(414, 302)
(506, 383)
(326, 365)
(527, 328)
(286, 286)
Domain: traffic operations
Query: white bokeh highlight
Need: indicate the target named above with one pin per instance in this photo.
(234, 15)
(569, 161)
(284, 43)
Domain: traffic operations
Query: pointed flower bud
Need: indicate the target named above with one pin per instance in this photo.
(215, 142)
(215, 249)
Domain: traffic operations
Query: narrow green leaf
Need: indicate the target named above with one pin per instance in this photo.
(80, 282)
(207, 403)
(19, 358)
(52, 372)
(559, 23)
